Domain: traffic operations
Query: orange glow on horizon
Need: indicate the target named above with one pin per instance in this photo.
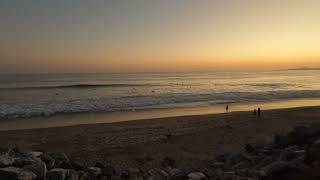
(138, 36)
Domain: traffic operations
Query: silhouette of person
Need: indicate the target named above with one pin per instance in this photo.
(227, 108)
(255, 112)
(259, 112)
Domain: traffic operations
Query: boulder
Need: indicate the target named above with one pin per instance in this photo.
(173, 171)
(301, 135)
(179, 176)
(280, 170)
(275, 167)
(6, 160)
(39, 168)
(241, 165)
(313, 153)
(249, 149)
(23, 161)
(245, 172)
(12, 173)
(158, 174)
(57, 174)
(265, 161)
(132, 173)
(125, 175)
(230, 175)
(76, 165)
(217, 165)
(108, 170)
(244, 178)
(60, 156)
(34, 154)
(95, 171)
(61, 161)
(85, 175)
(48, 160)
(16, 152)
(168, 162)
(99, 165)
(196, 176)
(72, 175)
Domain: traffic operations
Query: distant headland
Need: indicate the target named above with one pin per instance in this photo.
(303, 69)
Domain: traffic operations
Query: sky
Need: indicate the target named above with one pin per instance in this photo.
(157, 35)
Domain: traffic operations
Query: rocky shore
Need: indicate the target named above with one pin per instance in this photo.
(295, 156)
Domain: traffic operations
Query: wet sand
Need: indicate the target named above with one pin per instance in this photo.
(62, 120)
(190, 140)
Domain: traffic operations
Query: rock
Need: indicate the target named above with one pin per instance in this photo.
(57, 174)
(48, 160)
(229, 177)
(217, 165)
(38, 168)
(230, 173)
(196, 176)
(244, 178)
(99, 165)
(113, 178)
(173, 171)
(249, 148)
(244, 172)
(143, 160)
(95, 171)
(168, 162)
(264, 162)
(125, 175)
(134, 173)
(158, 174)
(313, 153)
(91, 173)
(61, 161)
(301, 135)
(137, 178)
(281, 170)
(72, 175)
(275, 167)
(241, 165)
(300, 152)
(179, 177)
(12, 173)
(238, 161)
(16, 152)
(34, 154)
(291, 153)
(6, 160)
(23, 161)
(214, 173)
(108, 171)
(83, 175)
(76, 165)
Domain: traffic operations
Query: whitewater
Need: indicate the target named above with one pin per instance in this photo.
(33, 95)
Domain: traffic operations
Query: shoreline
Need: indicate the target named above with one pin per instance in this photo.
(192, 142)
(74, 119)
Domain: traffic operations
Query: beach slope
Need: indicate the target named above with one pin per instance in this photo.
(190, 140)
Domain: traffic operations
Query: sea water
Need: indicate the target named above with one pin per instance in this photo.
(35, 95)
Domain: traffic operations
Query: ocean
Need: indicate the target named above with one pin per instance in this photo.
(35, 95)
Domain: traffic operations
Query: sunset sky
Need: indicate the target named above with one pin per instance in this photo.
(158, 35)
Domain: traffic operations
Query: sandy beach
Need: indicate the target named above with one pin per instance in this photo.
(190, 140)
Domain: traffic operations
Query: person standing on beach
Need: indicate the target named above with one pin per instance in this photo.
(259, 112)
(227, 108)
(255, 112)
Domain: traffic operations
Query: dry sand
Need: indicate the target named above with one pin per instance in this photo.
(194, 140)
